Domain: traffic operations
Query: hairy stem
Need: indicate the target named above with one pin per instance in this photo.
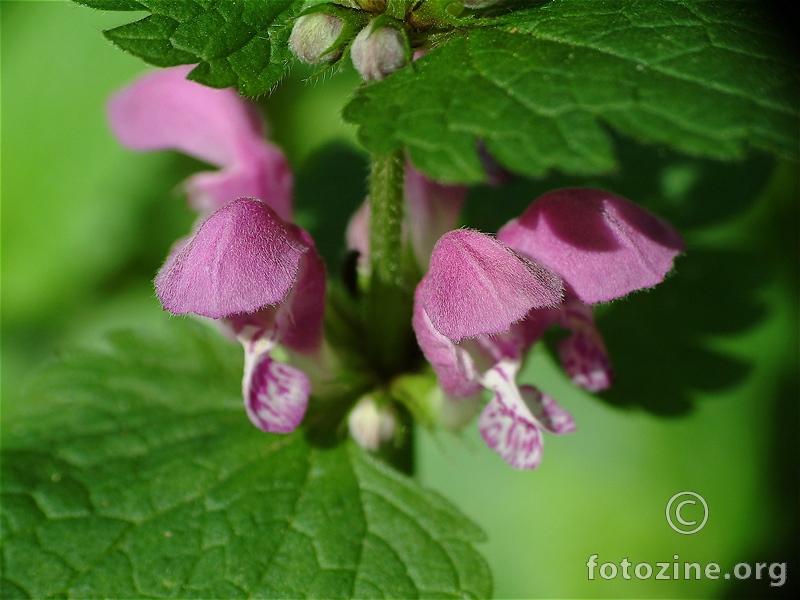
(386, 217)
(389, 299)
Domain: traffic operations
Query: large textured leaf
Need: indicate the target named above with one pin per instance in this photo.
(137, 474)
(242, 44)
(537, 86)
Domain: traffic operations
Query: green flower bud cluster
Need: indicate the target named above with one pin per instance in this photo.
(379, 35)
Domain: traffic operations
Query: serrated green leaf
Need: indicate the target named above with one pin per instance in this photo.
(137, 474)
(149, 39)
(538, 86)
(242, 44)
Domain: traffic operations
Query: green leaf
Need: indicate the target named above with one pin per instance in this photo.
(539, 86)
(137, 474)
(242, 44)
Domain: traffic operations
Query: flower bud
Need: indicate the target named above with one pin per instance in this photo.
(378, 53)
(313, 35)
(370, 424)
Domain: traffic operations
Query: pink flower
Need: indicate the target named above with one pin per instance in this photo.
(163, 110)
(603, 247)
(468, 317)
(245, 265)
(264, 278)
(485, 301)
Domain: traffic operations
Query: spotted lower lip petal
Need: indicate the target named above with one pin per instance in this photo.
(507, 431)
(275, 395)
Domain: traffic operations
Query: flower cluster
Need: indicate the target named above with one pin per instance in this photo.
(486, 300)
(480, 305)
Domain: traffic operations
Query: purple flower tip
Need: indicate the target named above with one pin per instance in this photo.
(242, 258)
(477, 286)
(603, 246)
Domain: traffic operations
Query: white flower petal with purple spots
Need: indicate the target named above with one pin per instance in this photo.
(507, 430)
(584, 358)
(275, 395)
(546, 410)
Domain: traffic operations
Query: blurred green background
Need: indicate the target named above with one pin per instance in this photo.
(707, 392)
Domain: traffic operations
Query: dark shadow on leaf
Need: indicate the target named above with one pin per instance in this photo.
(325, 424)
(658, 341)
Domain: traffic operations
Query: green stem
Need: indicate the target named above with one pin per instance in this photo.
(389, 298)
(386, 217)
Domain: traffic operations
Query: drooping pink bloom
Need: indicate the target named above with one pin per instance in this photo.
(264, 278)
(165, 111)
(603, 247)
(468, 317)
(475, 320)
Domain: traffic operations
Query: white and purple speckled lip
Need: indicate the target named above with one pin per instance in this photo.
(547, 411)
(602, 246)
(275, 394)
(584, 358)
(512, 422)
(165, 111)
(583, 354)
(507, 430)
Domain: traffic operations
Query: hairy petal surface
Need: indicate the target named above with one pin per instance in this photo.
(477, 286)
(240, 259)
(602, 245)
